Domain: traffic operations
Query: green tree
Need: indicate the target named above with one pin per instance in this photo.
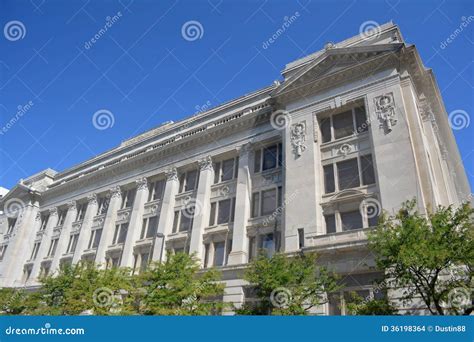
(428, 256)
(178, 287)
(358, 305)
(287, 285)
(13, 301)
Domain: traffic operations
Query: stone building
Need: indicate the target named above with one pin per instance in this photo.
(303, 164)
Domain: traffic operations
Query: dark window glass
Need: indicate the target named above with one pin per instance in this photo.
(329, 185)
(280, 155)
(175, 221)
(280, 197)
(97, 236)
(142, 234)
(236, 174)
(373, 221)
(362, 124)
(267, 244)
(232, 211)
(130, 198)
(348, 173)
(268, 202)
(368, 175)
(206, 255)
(325, 127)
(186, 219)
(269, 158)
(227, 170)
(258, 156)
(351, 220)
(123, 233)
(224, 211)
(182, 177)
(301, 238)
(191, 178)
(212, 217)
(330, 223)
(343, 126)
(255, 204)
(219, 252)
(152, 227)
(159, 190)
(251, 247)
(216, 167)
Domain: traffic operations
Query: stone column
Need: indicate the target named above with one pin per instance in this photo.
(45, 242)
(135, 223)
(65, 233)
(109, 225)
(202, 206)
(239, 252)
(165, 223)
(20, 244)
(86, 225)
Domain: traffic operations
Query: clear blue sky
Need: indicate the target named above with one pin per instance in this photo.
(144, 71)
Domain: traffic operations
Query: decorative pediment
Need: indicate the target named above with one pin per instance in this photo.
(333, 62)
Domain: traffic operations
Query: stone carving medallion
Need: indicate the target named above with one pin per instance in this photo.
(298, 137)
(385, 109)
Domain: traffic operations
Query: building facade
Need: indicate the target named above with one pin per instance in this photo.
(304, 164)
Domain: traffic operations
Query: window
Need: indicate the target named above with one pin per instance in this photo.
(52, 247)
(301, 238)
(225, 211)
(156, 190)
(268, 158)
(367, 168)
(81, 212)
(344, 124)
(206, 255)
(219, 253)
(269, 202)
(212, 217)
(3, 250)
(71, 247)
(11, 224)
(325, 126)
(267, 244)
(188, 181)
(34, 253)
(102, 205)
(120, 233)
(149, 227)
(351, 220)
(329, 185)
(255, 204)
(362, 125)
(348, 174)
(251, 248)
(128, 196)
(330, 223)
(61, 217)
(186, 219)
(44, 221)
(175, 221)
(225, 170)
(95, 238)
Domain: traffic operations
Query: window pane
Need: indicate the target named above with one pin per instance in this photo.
(269, 158)
(368, 175)
(361, 120)
(212, 217)
(159, 190)
(267, 243)
(351, 220)
(206, 255)
(182, 177)
(325, 127)
(130, 198)
(232, 210)
(348, 173)
(256, 166)
(330, 223)
(185, 219)
(255, 204)
(280, 155)
(329, 185)
(175, 221)
(142, 234)
(219, 253)
(227, 169)
(216, 167)
(251, 247)
(152, 227)
(268, 201)
(74, 243)
(224, 212)
(343, 125)
(98, 234)
(301, 237)
(123, 233)
(191, 177)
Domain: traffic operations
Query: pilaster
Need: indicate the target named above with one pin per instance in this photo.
(86, 225)
(65, 233)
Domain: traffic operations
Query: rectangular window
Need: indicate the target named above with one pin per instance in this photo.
(152, 227)
(81, 212)
(257, 161)
(44, 221)
(95, 238)
(368, 175)
(156, 190)
(330, 223)
(120, 233)
(227, 170)
(280, 155)
(143, 231)
(186, 220)
(182, 179)
(212, 217)
(206, 255)
(223, 215)
(191, 180)
(52, 247)
(343, 125)
(34, 253)
(103, 205)
(348, 173)
(219, 253)
(251, 248)
(269, 158)
(128, 196)
(351, 220)
(269, 201)
(61, 217)
(325, 127)
(175, 221)
(71, 247)
(279, 197)
(217, 169)
(255, 204)
(362, 124)
(301, 237)
(267, 244)
(329, 185)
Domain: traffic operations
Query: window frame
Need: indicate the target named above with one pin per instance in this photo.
(355, 124)
(259, 157)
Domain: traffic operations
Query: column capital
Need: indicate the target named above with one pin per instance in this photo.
(245, 148)
(71, 205)
(171, 174)
(53, 211)
(115, 192)
(142, 183)
(92, 198)
(205, 163)
(38, 216)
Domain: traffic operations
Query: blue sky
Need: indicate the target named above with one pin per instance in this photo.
(144, 72)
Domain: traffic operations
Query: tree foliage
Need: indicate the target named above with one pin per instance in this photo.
(287, 285)
(429, 257)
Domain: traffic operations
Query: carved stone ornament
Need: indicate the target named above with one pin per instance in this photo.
(116, 192)
(298, 138)
(385, 109)
(171, 174)
(53, 211)
(72, 205)
(92, 198)
(38, 216)
(345, 149)
(142, 183)
(205, 163)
